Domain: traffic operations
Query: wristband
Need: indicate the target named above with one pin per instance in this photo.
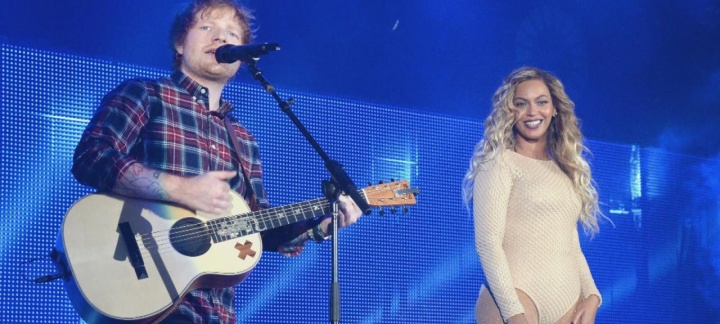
(317, 234)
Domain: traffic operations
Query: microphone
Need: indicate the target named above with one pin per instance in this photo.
(246, 53)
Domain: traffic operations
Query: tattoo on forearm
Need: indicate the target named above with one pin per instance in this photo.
(141, 182)
(136, 169)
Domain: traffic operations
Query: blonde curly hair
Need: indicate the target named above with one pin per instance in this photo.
(564, 141)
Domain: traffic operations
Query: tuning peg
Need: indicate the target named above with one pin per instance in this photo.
(404, 210)
(368, 211)
(381, 182)
(369, 184)
(382, 212)
(393, 210)
(392, 179)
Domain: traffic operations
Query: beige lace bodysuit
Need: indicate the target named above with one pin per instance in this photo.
(526, 215)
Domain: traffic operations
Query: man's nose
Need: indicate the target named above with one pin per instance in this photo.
(220, 37)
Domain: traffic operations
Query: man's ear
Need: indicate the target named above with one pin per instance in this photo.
(178, 49)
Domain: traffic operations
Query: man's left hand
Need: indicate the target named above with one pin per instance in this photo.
(349, 214)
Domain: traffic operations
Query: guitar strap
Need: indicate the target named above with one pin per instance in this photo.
(249, 191)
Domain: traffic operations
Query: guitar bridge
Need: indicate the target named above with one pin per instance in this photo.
(136, 259)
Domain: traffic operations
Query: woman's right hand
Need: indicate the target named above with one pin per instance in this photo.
(517, 319)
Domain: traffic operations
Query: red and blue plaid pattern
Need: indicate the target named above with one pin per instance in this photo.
(165, 124)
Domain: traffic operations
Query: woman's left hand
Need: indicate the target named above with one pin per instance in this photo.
(586, 311)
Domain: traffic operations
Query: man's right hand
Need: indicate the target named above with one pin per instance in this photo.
(209, 192)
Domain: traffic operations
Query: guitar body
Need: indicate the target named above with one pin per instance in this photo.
(129, 260)
(106, 286)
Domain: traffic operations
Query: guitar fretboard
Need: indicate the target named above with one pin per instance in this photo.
(230, 227)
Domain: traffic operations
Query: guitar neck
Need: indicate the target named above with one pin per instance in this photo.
(230, 227)
(395, 193)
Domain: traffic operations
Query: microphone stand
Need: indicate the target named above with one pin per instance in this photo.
(340, 180)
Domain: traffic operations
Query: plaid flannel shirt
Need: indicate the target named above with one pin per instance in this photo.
(165, 124)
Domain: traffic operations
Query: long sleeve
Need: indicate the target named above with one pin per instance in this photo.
(103, 152)
(491, 194)
(587, 284)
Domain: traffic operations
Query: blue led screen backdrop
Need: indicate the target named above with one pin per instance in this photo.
(658, 263)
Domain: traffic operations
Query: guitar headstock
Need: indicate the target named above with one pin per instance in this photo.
(391, 194)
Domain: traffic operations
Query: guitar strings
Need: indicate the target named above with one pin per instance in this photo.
(152, 242)
(159, 240)
(271, 211)
(190, 232)
(262, 215)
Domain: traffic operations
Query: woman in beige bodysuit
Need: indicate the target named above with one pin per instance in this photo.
(530, 186)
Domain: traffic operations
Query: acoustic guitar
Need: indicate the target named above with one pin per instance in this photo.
(131, 260)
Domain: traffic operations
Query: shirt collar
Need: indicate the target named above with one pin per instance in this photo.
(198, 91)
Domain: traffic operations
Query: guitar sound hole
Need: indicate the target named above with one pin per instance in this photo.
(190, 237)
